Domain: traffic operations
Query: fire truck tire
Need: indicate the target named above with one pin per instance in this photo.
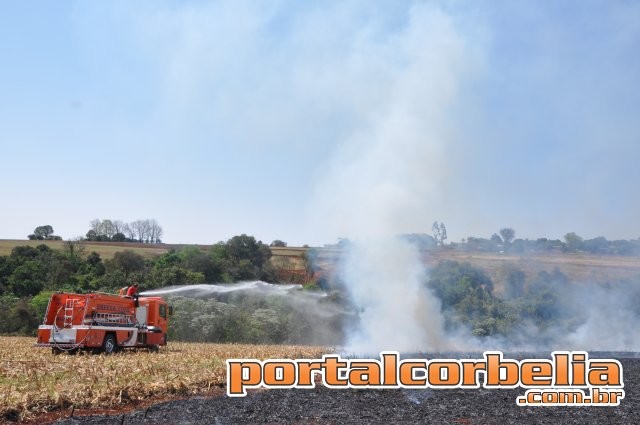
(154, 348)
(109, 345)
(55, 351)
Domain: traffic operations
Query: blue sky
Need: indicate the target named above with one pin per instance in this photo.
(307, 122)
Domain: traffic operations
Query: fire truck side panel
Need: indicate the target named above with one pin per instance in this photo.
(156, 338)
(84, 321)
(44, 334)
(64, 336)
(92, 337)
(126, 338)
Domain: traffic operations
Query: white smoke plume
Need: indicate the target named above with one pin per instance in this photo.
(384, 181)
(605, 331)
(384, 277)
(607, 317)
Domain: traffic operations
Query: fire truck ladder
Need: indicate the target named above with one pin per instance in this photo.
(68, 312)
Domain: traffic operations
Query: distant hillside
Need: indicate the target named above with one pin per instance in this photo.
(108, 249)
(105, 249)
(578, 267)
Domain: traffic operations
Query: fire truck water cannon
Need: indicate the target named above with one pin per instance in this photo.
(103, 323)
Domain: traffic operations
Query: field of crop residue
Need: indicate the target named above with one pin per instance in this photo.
(34, 381)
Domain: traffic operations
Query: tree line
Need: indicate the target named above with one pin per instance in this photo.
(505, 241)
(145, 231)
(142, 231)
(571, 243)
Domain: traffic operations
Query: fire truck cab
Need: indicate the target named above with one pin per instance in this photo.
(103, 323)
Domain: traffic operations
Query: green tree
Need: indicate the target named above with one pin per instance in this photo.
(435, 228)
(75, 252)
(598, 245)
(62, 272)
(443, 233)
(168, 259)
(451, 281)
(24, 253)
(126, 261)
(196, 260)
(20, 318)
(173, 275)
(112, 280)
(27, 279)
(6, 268)
(439, 233)
(467, 299)
(513, 281)
(95, 264)
(278, 243)
(247, 256)
(545, 296)
(573, 242)
(507, 234)
(40, 302)
(43, 232)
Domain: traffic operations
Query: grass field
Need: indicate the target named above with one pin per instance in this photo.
(578, 267)
(105, 249)
(34, 381)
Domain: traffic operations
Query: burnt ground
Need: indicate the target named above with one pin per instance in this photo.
(325, 406)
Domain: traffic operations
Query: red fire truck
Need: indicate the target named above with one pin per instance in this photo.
(103, 323)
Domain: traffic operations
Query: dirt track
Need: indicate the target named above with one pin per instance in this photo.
(324, 406)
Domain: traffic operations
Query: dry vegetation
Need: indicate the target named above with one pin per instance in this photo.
(577, 267)
(105, 249)
(33, 381)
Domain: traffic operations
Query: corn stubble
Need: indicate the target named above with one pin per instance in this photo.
(34, 381)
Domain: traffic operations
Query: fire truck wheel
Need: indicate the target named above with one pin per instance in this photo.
(109, 345)
(154, 348)
(56, 351)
